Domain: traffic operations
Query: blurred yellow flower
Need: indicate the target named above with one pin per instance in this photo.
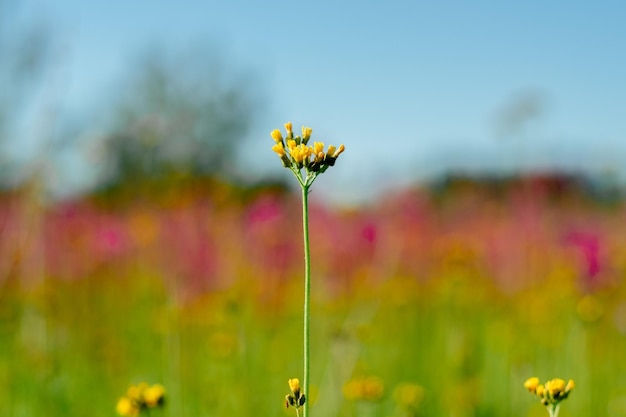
(135, 392)
(366, 389)
(555, 386)
(139, 397)
(288, 127)
(531, 384)
(154, 395)
(551, 393)
(127, 407)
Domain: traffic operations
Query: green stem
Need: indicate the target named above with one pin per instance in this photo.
(307, 294)
(553, 410)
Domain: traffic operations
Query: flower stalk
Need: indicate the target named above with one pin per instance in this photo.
(306, 163)
(551, 393)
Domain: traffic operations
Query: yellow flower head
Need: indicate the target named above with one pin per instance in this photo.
(540, 390)
(531, 384)
(296, 155)
(127, 407)
(552, 392)
(301, 153)
(368, 389)
(306, 132)
(294, 385)
(276, 135)
(135, 392)
(555, 386)
(154, 395)
(296, 398)
(318, 147)
(279, 149)
(339, 151)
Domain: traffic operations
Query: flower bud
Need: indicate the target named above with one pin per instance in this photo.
(276, 135)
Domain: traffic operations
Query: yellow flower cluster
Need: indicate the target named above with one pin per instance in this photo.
(552, 392)
(140, 397)
(295, 153)
(367, 389)
(296, 398)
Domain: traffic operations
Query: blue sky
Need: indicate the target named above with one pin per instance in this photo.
(412, 88)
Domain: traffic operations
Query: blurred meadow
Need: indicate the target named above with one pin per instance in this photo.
(137, 246)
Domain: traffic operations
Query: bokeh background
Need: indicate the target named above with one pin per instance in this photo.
(471, 236)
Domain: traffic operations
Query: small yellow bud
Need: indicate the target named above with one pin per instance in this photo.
(135, 392)
(291, 144)
(339, 151)
(540, 390)
(306, 132)
(276, 135)
(279, 149)
(301, 153)
(294, 386)
(331, 150)
(127, 407)
(570, 385)
(531, 384)
(318, 147)
(154, 395)
(288, 127)
(555, 386)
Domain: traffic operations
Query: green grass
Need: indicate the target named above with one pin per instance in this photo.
(72, 347)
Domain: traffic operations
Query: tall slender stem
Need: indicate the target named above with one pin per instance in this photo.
(553, 410)
(307, 294)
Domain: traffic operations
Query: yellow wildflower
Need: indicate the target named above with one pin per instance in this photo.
(318, 147)
(552, 392)
(296, 398)
(306, 133)
(531, 384)
(276, 135)
(301, 153)
(338, 151)
(368, 389)
(555, 386)
(154, 395)
(135, 392)
(288, 127)
(540, 390)
(127, 407)
(279, 149)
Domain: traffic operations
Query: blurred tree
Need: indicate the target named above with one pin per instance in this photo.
(181, 114)
(26, 54)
